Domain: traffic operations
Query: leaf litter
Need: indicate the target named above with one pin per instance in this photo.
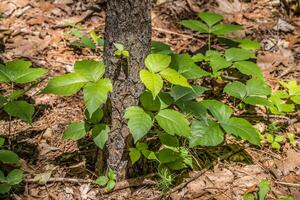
(37, 31)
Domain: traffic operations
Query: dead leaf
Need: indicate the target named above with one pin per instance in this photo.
(43, 178)
(289, 164)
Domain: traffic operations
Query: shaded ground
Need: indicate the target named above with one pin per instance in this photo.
(36, 30)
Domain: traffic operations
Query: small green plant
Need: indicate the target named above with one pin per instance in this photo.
(13, 177)
(264, 188)
(211, 25)
(14, 73)
(166, 179)
(275, 140)
(285, 101)
(109, 181)
(170, 110)
(85, 40)
(121, 51)
(87, 75)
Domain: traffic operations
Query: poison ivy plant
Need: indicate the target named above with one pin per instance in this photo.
(284, 101)
(19, 72)
(210, 132)
(254, 92)
(158, 69)
(210, 24)
(87, 75)
(85, 40)
(109, 180)
(12, 177)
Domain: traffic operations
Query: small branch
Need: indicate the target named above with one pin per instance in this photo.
(200, 173)
(296, 185)
(134, 182)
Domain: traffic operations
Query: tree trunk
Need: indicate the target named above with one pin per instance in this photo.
(128, 22)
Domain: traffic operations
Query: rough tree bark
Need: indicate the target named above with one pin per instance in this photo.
(127, 22)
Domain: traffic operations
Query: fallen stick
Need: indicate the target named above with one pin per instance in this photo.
(296, 185)
(133, 182)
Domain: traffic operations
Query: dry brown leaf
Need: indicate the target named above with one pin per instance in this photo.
(289, 164)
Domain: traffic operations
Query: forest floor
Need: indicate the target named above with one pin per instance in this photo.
(36, 31)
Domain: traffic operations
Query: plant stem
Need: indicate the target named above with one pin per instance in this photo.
(209, 41)
(9, 122)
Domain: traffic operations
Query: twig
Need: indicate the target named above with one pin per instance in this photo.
(134, 182)
(200, 173)
(296, 185)
(172, 32)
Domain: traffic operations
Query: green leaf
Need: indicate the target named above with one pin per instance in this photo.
(258, 87)
(95, 94)
(65, 85)
(111, 174)
(3, 100)
(148, 102)
(96, 116)
(165, 100)
(236, 89)
(291, 137)
(198, 57)
(2, 177)
(110, 185)
(249, 68)
(292, 86)
(276, 145)
(166, 155)
(4, 188)
(270, 138)
(100, 135)
(248, 196)
(218, 62)
(194, 108)
(187, 67)
(237, 54)
(248, 44)
(219, 110)
(102, 180)
(153, 82)
(157, 62)
(254, 100)
(91, 70)
(14, 177)
(279, 138)
(206, 134)
(210, 18)
(139, 122)
(8, 157)
(160, 48)
(241, 128)
(16, 94)
(180, 93)
(2, 140)
(20, 109)
(224, 29)
(134, 155)
(173, 122)
(18, 71)
(174, 77)
(75, 131)
(87, 42)
(264, 188)
(296, 99)
(168, 140)
(195, 25)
